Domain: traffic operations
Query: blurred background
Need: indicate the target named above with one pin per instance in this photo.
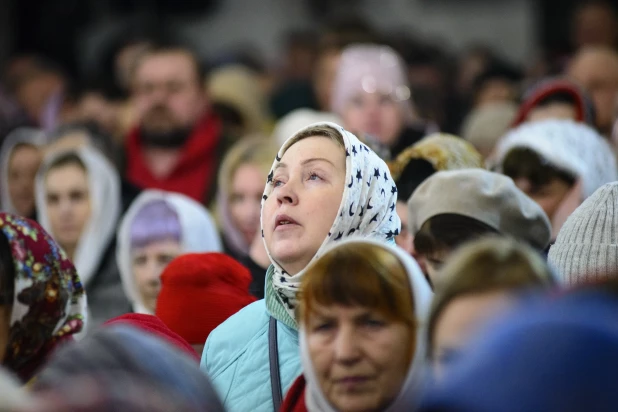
(442, 41)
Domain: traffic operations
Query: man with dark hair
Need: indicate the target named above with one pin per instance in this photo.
(176, 142)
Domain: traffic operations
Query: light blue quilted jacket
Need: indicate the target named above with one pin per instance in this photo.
(236, 355)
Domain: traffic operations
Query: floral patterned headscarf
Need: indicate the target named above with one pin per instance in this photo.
(49, 302)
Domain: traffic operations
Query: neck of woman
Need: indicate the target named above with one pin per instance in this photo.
(70, 251)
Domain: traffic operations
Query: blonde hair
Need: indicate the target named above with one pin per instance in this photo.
(257, 150)
(487, 265)
(358, 274)
(320, 130)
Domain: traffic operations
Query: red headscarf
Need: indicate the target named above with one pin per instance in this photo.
(48, 299)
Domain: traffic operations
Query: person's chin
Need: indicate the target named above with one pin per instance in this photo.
(286, 251)
(354, 402)
(69, 237)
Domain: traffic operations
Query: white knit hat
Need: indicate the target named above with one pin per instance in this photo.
(587, 245)
(573, 147)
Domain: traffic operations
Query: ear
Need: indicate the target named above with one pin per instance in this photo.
(570, 202)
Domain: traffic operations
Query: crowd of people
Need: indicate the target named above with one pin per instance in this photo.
(362, 237)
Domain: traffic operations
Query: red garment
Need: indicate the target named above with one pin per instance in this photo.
(196, 168)
(295, 399)
(155, 326)
(199, 291)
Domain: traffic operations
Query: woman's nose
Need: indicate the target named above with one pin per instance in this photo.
(287, 194)
(154, 272)
(65, 207)
(347, 346)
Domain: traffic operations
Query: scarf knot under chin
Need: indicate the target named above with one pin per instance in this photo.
(367, 210)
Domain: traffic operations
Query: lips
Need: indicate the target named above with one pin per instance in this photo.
(352, 380)
(283, 221)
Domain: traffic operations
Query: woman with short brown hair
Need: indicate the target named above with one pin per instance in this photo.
(362, 312)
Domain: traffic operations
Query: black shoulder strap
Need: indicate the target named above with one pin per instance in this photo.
(273, 357)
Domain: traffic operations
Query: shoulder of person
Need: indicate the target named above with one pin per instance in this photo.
(236, 358)
(232, 338)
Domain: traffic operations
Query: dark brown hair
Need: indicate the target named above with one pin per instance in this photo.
(448, 231)
(358, 274)
(525, 163)
(66, 159)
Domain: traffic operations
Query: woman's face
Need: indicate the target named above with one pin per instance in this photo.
(23, 166)
(68, 204)
(360, 357)
(307, 191)
(460, 321)
(375, 114)
(245, 200)
(147, 264)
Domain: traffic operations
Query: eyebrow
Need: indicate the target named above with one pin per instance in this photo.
(305, 162)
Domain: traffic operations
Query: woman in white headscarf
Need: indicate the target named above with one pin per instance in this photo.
(158, 227)
(78, 203)
(362, 324)
(20, 158)
(324, 186)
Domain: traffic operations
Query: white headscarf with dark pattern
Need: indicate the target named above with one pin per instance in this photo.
(367, 207)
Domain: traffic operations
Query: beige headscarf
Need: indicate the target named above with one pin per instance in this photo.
(443, 151)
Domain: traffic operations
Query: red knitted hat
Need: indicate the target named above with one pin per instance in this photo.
(201, 290)
(155, 326)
